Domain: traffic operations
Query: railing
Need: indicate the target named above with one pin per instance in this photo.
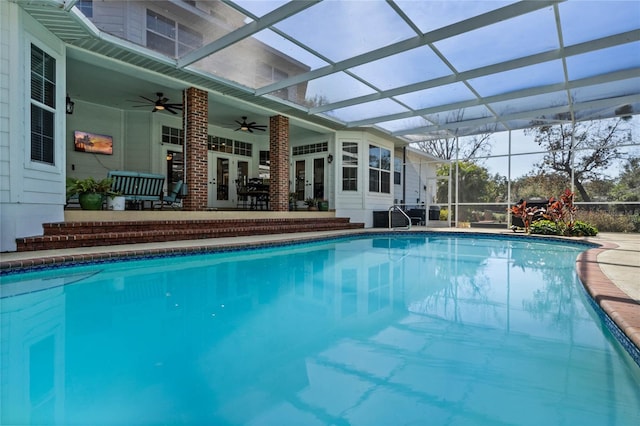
(398, 208)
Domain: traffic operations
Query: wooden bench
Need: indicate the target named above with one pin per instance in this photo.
(138, 187)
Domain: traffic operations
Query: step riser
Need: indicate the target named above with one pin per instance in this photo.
(110, 227)
(160, 233)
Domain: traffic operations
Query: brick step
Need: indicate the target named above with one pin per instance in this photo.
(160, 232)
(76, 228)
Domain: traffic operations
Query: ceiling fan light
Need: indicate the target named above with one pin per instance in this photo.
(244, 128)
(160, 107)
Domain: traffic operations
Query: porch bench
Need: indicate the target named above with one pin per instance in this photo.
(138, 187)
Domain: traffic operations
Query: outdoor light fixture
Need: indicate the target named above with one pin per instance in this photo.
(69, 105)
(329, 158)
(169, 157)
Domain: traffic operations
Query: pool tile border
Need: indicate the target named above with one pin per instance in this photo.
(621, 310)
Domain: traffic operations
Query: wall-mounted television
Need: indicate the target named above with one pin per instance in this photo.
(92, 142)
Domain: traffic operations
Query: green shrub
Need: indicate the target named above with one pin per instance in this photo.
(583, 229)
(444, 214)
(544, 227)
(548, 227)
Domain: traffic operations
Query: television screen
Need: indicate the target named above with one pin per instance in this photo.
(91, 142)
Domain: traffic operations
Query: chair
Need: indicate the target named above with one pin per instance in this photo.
(242, 193)
(174, 196)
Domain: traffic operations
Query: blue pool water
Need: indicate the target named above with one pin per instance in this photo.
(401, 330)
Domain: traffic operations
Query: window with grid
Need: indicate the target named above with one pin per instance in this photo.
(349, 166)
(43, 105)
(86, 7)
(220, 144)
(310, 149)
(264, 158)
(242, 148)
(379, 169)
(172, 135)
(167, 36)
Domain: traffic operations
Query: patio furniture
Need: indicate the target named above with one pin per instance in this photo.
(242, 192)
(257, 195)
(177, 191)
(137, 187)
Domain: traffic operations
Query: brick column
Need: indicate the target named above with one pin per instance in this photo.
(279, 160)
(195, 118)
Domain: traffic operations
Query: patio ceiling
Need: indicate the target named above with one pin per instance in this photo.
(415, 70)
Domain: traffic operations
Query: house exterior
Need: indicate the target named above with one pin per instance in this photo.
(42, 68)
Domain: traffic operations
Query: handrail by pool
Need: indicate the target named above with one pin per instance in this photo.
(398, 208)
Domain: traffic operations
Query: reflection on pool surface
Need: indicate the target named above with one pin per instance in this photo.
(407, 329)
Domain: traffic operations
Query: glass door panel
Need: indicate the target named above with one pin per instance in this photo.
(222, 179)
(219, 177)
(318, 178)
(310, 178)
(300, 174)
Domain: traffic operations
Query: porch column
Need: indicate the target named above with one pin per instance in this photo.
(279, 160)
(195, 118)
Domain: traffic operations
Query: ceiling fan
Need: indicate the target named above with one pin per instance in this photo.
(250, 127)
(160, 104)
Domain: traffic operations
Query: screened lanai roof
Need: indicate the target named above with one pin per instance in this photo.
(415, 69)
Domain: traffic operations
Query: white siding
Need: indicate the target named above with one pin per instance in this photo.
(361, 204)
(30, 193)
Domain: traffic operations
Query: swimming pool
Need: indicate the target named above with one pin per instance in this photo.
(380, 330)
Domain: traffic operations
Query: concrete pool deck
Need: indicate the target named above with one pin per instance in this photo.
(610, 273)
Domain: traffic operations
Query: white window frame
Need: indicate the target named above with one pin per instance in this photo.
(380, 170)
(353, 164)
(58, 111)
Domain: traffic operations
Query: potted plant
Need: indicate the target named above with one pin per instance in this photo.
(323, 205)
(90, 192)
(292, 202)
(311, 203)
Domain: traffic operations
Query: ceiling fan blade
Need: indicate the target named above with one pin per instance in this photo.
(171, 110)
(249, 129)
(175, 106)
(155, 109)
(147, 99)
(240, 124)
(239, 128)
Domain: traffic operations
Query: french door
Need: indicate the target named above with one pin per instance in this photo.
(310, 178)
(225, 174)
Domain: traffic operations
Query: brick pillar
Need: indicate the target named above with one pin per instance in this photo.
(195, 118)
(279, 160)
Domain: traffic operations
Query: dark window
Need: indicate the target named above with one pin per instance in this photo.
(243, 148)
(264, 158)
(86, 7)
(172, 135)
(43, 103)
